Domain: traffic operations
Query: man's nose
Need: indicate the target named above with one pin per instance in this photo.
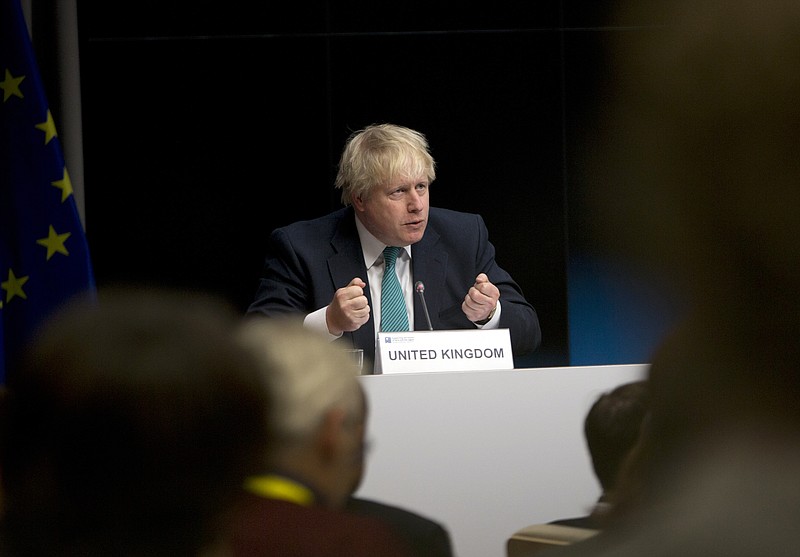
(414, 202)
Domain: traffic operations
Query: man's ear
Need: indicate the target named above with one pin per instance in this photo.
(358, 202)
(331, 434)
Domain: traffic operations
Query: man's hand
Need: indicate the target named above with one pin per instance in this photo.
(349, 308)
(481, 300)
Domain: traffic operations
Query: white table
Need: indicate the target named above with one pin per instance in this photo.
(486, 452)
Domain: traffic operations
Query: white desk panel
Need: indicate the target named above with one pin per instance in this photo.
(486, 452)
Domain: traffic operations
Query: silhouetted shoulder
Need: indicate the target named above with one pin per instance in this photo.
(425, 536)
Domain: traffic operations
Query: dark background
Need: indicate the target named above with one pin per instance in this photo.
(208, 124)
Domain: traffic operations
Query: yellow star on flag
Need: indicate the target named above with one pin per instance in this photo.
(10, 86)
(13, 286)
(65, 185)
(48, 127)
(54, 242)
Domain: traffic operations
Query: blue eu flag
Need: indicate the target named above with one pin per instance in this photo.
(44, 256)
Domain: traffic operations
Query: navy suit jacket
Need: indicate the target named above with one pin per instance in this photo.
(425, 537)
(308, 261)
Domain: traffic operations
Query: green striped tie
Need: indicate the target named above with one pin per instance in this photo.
(393, 305)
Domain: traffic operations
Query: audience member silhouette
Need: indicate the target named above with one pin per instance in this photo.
(128, 428)
(702, 134)
(611, 430)
(425, 537)
(295, 505)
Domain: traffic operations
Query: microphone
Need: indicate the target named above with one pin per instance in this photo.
(420, 288)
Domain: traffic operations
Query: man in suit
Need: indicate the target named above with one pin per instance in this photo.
(611, 429)
(301, 504)
(425, 536)
(330, 269)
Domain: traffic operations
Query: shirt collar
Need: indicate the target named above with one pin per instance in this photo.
(371, 247)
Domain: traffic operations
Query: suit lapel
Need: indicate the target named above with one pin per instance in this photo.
(344, 264)
(429, 263)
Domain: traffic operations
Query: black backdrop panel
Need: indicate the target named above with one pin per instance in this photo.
(194, 150)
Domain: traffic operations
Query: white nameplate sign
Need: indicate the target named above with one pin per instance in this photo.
(451, 350)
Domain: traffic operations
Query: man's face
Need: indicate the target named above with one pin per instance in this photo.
(397, 213)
